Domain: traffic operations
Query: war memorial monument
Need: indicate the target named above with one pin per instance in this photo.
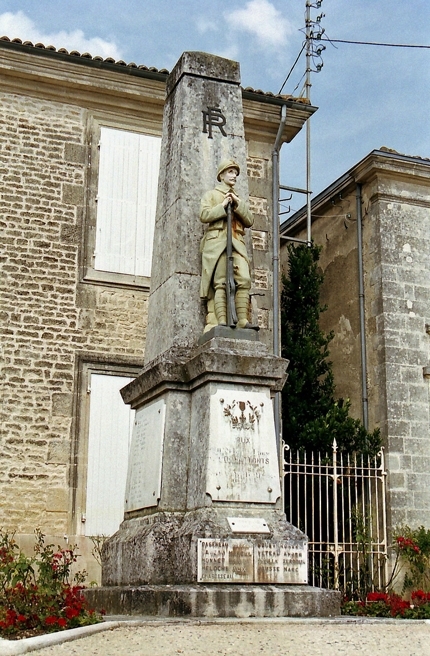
(204, 533)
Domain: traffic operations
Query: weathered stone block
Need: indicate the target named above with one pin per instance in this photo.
(261, 279)
(62, 404)
(76, 153)
(260, 240)
(396, 481)
(59, 452)
(256, 167)
(73, 194)
(57, 500)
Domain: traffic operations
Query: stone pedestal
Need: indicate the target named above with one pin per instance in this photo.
(204, 466)
(204, 530)
(210, 513)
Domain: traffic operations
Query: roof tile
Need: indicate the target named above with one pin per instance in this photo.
(142, 67)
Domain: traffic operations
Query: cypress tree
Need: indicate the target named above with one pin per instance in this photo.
(312, 417)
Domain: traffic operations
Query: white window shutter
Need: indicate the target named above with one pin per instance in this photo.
(110, 430)
(126, 201)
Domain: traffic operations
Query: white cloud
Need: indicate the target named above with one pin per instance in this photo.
(21, 26)
(229, 52)
(263, 20)
(205, 25)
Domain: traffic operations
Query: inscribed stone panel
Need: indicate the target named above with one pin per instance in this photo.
(145, 464)
(243, 461)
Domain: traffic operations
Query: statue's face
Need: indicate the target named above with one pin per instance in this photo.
(229, 176)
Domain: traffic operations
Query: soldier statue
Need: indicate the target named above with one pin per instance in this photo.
(217, 288)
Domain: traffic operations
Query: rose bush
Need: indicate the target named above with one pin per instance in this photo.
(39, 594)
(383, 604)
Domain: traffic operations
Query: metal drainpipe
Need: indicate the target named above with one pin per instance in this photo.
(275, 245)
(365, 401)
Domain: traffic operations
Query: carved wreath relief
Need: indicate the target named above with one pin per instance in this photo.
(242, 415)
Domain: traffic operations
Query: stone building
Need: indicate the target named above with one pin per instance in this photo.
(80, 148)
(375, 219)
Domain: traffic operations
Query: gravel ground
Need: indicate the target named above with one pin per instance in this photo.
(243, 638)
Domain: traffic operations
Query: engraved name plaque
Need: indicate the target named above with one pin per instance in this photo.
(236, 560)
(225, 561)
(242, 460)
(143, 487)
(281, 562)
(248, 525)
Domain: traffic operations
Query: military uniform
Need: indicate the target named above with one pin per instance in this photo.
(213, 249)
(214, 242)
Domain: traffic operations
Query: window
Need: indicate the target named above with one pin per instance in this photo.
(122, 204)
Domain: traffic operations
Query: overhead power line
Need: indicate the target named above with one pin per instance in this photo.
(292, 68)
(373, 43)
(359, 43)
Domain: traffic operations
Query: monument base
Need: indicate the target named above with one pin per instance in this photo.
(216, 600)
(210, 545)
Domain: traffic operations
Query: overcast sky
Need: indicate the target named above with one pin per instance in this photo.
(367, 96)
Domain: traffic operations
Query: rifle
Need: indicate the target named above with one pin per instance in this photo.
(230, 283)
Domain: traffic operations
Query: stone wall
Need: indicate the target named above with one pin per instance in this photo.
(260, 199)
(396, 246)
(48, 315)
(398, 210)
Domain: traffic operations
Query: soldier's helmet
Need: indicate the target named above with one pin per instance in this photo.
(227, 164)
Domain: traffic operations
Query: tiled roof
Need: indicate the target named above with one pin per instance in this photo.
(85, 55)
(280, 96)
(159, 73)
(385, 149)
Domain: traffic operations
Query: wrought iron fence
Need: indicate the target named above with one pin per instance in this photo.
(339, 501)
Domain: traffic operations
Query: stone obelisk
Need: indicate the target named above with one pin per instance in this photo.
(204, 532)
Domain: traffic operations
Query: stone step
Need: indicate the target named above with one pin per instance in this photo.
(216, 600)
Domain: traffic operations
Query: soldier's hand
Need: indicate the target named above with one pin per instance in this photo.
(230, 197)
(235, 199)
(227, 200)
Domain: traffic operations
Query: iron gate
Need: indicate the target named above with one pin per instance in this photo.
(339, 502)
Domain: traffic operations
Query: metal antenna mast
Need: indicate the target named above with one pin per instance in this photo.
(308, 85)
(313, 33)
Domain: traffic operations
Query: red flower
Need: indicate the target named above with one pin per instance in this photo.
(420, 597)
(398, 605)
(71, 612)
(377, 596)
(51, 620)
(62, 622)
(407, 543)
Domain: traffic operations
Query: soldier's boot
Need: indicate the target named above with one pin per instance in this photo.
(242, 308)
(220, 304)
